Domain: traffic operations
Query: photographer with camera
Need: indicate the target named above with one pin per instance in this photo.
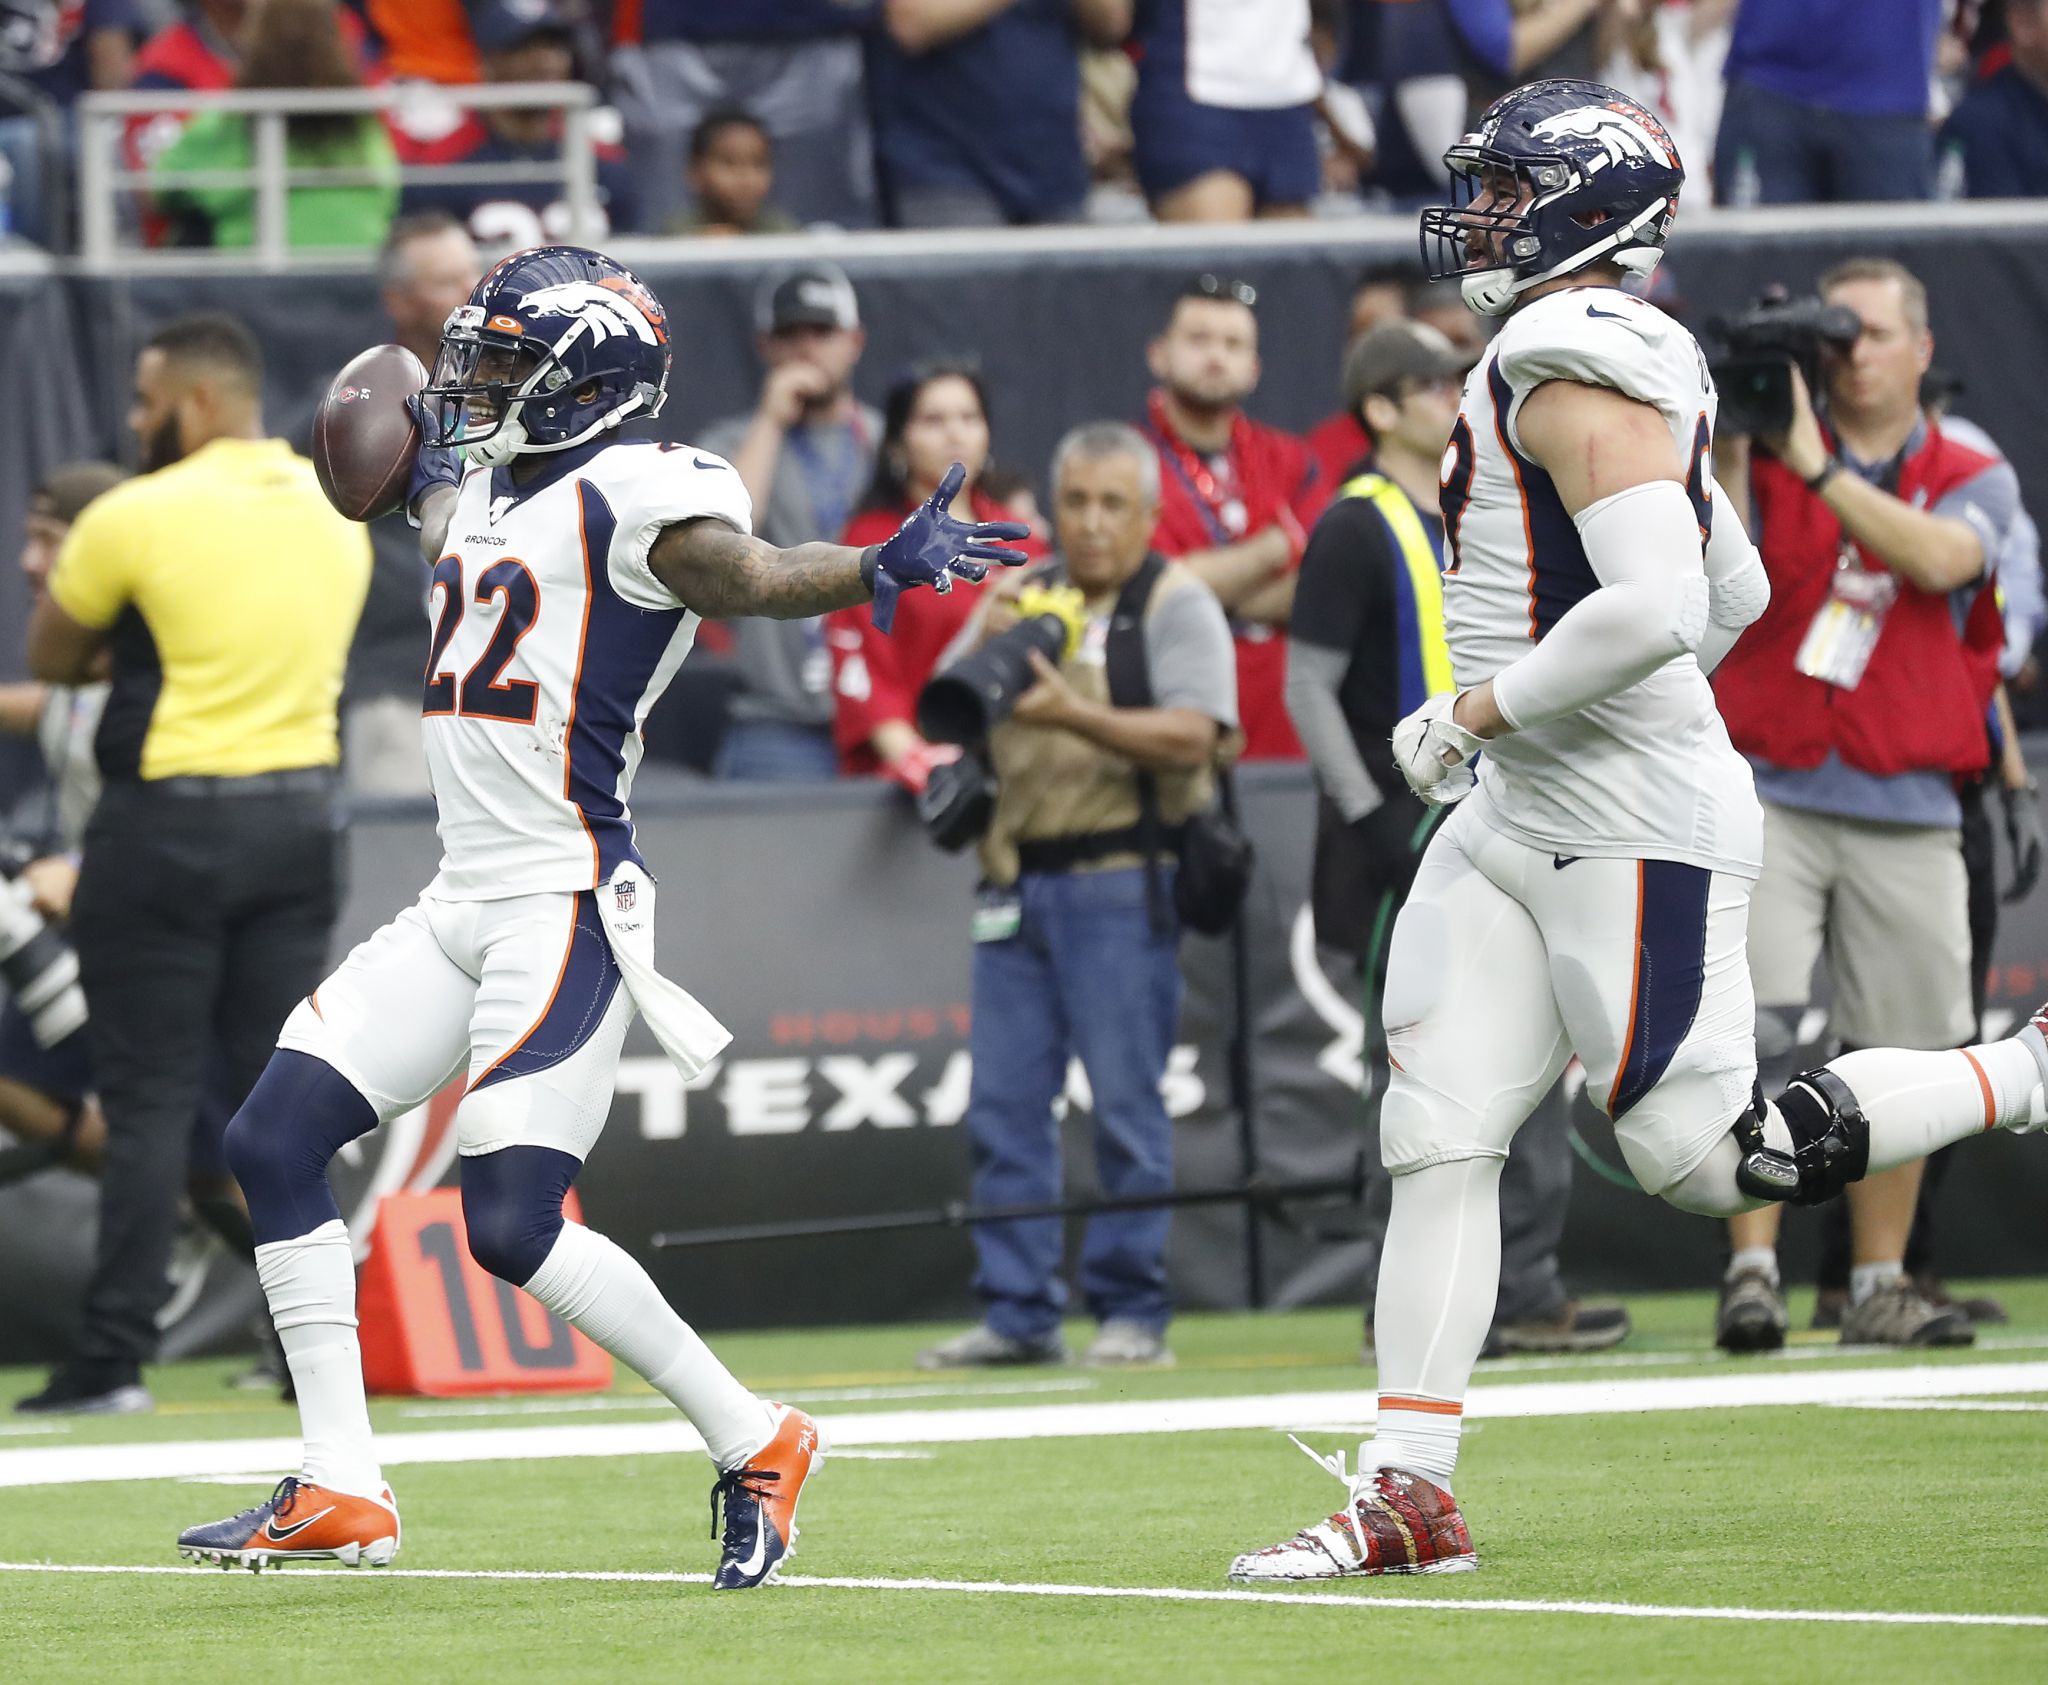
(1860, 700)
(45, 1080)
(1107, 683)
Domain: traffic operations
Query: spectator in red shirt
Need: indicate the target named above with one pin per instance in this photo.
(934, 417)
(1236, 497)
(1339, 442)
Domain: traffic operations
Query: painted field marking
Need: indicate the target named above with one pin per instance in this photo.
(1158, 1594)
(70, 1464)
(1991, 1404)
(811, 1395)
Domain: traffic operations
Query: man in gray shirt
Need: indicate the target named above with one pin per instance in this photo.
(1076, 949)
(805, 452)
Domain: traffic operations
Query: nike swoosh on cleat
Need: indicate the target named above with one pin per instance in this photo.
(752, 1566)
(1560, 861)
(280, 1534)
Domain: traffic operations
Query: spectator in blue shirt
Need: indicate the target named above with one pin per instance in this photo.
(60, 49)
(1827, 100)
(977, 108)
(2001, 127)
(795, 64)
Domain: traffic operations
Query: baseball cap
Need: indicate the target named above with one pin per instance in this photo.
(1395, 352)
(501, 25)
(818, 295)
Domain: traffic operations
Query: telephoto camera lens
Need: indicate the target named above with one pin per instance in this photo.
(973, 696)
(40, 969)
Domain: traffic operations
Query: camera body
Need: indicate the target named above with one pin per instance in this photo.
(975, 695)
(1765, 343)
(37, 964)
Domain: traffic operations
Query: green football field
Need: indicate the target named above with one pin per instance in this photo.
(1660, 1513)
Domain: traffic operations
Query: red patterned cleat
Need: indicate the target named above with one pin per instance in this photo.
(1395, 1523)
(300, 1522)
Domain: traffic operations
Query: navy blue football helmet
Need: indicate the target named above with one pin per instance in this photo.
(556, 345)
(1596, 180)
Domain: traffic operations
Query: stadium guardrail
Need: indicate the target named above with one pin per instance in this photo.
(103, 177)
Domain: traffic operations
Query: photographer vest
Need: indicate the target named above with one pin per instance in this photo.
(1055, 786)
(1920, 704)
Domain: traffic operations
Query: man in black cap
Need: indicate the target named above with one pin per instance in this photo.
(805, 452)
(1367, 647)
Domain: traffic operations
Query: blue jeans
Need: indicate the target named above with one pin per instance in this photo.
(1804, 154)
(776, 752)
(1085, 974)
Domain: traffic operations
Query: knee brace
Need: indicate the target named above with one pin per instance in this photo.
(512, 1207)
(1830, 1142)
(301, 1112)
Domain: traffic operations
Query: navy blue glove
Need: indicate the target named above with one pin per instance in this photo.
(931, 547)
(435, 465)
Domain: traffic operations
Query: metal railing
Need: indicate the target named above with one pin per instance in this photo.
(103, 178)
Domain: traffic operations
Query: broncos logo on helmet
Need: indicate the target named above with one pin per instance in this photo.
(1558, 176)
(555, 346)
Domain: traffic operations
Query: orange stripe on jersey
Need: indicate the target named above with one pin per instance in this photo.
(1500, 431)
(313, 1000)
(1635, 998)
(576, 687)
(1984, 1085)
(561, 971)
(1428, 1406)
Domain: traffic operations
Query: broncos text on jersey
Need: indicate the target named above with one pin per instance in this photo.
(1647, 774)
(551, 641)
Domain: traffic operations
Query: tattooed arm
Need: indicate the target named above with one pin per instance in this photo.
(720, 573)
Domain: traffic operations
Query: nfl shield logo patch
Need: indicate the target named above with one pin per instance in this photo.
(624, 894)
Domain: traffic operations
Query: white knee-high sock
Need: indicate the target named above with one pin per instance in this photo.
(595, 1287)
(1439, 1280)
(1917, 1102)
(311, 1285)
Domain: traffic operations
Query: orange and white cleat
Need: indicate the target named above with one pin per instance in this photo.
(300, 1522)
(760, 1498)
(1394, 1523)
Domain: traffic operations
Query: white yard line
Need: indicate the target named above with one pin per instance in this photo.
(2028, 1408)
(1157, 1594)
(68, 1464)
(816, 1395)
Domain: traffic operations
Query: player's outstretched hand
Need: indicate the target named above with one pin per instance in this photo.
(436, 465)
(931, 547)
(1434, 752)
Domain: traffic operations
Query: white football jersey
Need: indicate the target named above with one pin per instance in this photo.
(1649, 773)
(551, 641)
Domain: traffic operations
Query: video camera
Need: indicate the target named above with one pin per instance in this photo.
(1765, 343)
(38, 965)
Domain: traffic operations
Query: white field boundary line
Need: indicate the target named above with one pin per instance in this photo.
(73, 1464)
(1157, 1594)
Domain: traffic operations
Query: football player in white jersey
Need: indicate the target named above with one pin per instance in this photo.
(569, 573)
(1591, 896)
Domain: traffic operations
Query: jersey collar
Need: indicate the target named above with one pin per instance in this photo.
(559, 465)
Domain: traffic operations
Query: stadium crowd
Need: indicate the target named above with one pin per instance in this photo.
(730, 117)
(775, 115)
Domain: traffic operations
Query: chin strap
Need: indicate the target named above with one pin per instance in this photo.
(1492, 291)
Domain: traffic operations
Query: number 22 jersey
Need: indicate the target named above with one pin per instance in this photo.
(1645, 774)
(552, 639)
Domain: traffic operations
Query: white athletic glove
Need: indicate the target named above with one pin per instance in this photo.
(1434, 753)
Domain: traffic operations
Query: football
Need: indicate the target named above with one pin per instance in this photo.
(364, 442)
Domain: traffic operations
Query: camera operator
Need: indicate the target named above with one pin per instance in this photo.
(1076, 951)
(1860, 700)
(45, 1081)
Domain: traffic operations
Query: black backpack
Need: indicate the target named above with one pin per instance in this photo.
(1216, 857)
